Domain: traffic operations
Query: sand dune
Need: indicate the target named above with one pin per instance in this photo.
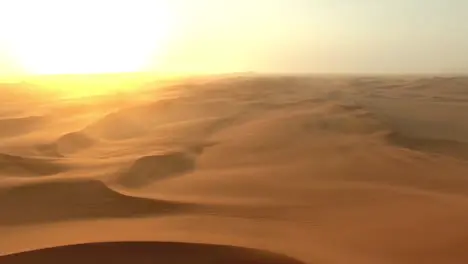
(11, 165)
(325, 169)
(136, 121)
(44, 201)
(454, 148)
(148, 252)
(21, 125)
(156, 167)
(74, 141)
(67, 144)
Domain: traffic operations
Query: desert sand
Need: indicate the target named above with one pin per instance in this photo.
(238, 169)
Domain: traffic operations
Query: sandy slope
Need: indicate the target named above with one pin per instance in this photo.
(320, 169)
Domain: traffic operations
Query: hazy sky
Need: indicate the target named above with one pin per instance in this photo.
(368, 36)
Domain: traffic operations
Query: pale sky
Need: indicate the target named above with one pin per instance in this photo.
(294, 36)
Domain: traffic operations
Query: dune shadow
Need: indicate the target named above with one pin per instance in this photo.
(445, 147)
(148, 169)
(148, 252)
(53, 201)
(67, 144)
(19, 165)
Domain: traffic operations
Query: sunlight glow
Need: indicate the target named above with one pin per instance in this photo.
(86, 36)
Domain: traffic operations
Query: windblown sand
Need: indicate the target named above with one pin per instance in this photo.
(364, 170)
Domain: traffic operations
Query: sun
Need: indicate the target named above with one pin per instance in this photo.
(86, 36)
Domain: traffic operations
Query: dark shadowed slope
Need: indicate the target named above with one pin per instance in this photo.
(67, 144)
(11, 165)
(74, 199)
(156, 167)
(148, 252)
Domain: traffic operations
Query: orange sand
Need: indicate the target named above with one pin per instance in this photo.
(365, 170)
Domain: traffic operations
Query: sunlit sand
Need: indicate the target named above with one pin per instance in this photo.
(235, 169)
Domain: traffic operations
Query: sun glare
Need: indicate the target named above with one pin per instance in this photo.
(86, 36)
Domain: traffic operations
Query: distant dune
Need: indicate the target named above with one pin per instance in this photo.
(239, 169)
(21, 125)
